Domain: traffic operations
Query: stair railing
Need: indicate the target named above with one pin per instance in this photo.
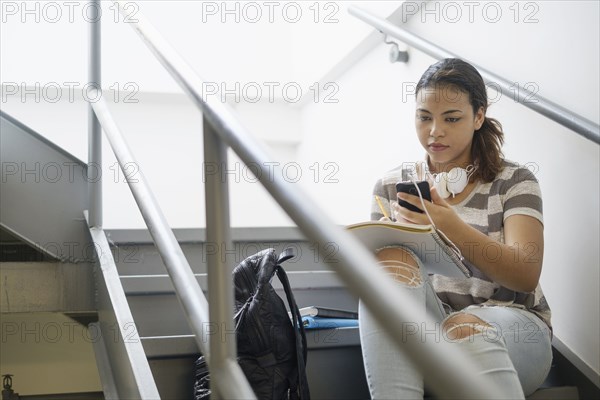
(526, 97)
(221, 353)
(449, 370)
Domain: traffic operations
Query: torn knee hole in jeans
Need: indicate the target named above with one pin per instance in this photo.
(456, 331)
(402, 272)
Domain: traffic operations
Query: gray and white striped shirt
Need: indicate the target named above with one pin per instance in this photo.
(515, 191)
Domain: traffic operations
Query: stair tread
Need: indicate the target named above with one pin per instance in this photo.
(170, 346)
(161, 283)
(185, 345)
(555, 393)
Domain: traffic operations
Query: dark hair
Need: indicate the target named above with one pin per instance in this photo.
(486, 151)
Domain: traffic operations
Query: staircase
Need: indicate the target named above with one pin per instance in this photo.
(48, 266)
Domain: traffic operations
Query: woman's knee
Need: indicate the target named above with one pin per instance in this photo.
(401, 264)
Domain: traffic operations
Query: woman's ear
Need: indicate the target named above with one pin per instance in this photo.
(479, 118)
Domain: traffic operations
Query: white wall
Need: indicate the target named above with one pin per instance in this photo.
(165, 135)
(44, 58)
(369, 129)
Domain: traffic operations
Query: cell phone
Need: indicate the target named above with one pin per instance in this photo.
(409, 187)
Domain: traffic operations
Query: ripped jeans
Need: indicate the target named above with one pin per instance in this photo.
(512, 346)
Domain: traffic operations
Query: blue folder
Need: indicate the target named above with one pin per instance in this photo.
(327, 323)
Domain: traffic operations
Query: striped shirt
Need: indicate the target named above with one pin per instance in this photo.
(515, 191)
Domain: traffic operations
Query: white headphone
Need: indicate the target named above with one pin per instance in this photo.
(449, 183)
(452, 182)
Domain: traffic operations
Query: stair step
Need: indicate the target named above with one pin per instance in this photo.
(160, 314)
(146, 284)
(142, 258)
(185, 345)
(334, 369)
(555, 393)
(174, 377)
(170, 346)
(152, 295)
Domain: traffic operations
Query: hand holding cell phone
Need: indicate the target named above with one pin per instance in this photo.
(409, 188)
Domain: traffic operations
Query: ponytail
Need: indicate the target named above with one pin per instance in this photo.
(486, 151)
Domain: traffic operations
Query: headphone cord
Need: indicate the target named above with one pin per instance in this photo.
(439, 231)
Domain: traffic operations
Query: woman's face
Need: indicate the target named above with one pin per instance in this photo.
(445, 125)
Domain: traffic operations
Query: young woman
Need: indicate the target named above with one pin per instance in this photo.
(491, 209)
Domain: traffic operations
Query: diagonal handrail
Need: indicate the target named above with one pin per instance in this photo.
(355, 265)
(547, 108)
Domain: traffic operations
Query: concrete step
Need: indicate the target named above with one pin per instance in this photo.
(65, 396)
(334, 368)
(555, 393)
(176, 346)
(153, 296)
(157, 347)
(135, 254)
(150, 284)
(174, 377)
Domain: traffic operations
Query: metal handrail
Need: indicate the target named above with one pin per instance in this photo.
(355, 265)
(547, 108)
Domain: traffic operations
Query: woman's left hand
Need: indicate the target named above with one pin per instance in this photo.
(442, 214)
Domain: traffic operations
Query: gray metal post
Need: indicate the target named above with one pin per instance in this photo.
(94, 128)
(218, 241)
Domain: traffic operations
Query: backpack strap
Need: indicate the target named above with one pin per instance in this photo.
(285, 255)
(301, 347)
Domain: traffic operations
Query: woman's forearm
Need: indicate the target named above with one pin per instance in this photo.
(515, 265)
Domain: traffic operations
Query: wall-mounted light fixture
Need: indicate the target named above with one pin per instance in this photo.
(395, 54)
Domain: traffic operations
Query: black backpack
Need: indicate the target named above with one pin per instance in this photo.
(271, 349)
